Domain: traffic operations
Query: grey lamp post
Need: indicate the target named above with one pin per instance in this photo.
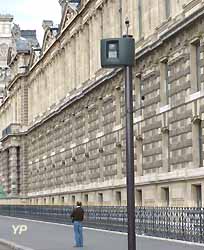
(120, 52)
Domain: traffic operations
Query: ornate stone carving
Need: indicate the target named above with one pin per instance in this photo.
(16, 31)
(196, 119)
(165, 130)
(139, 138)
(3, 50)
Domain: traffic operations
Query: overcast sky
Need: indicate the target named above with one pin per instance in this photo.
(29, 14)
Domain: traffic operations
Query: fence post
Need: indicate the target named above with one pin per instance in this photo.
(153, 220)
(200, 215)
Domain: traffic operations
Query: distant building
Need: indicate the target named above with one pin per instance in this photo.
(62, 121)
(2, 193)
(5, 43)
(5, 37)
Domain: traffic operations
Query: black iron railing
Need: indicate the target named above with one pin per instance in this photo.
(175, 223)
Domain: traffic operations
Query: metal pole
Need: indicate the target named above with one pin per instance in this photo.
(130, 159)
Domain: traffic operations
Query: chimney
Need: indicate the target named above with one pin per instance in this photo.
(62, 3)
(47, 23)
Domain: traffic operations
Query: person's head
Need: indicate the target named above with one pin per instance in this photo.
(79, 204)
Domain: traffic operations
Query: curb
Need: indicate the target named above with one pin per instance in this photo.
(13, 246)
(188, 243)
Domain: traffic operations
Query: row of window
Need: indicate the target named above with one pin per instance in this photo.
(165, 198)
(140, 7)
(195, 74)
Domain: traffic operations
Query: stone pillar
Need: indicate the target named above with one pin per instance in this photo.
(24, 105)
(74, 83)
(100, 113)
(137, 90)
(196, 142)
(24, 177)
(68, 67)
(97, 35)
(78, 197)
(164, 81)
(13, 168)
(165, 150)
(86, 52)
(165, 142)
(139, 148)
(202, 195)
(59, 75)
(62, 67)
(139, 153)
(79, 54)
(149, 193)
(118, 104)
(29, 104)
(195, 65)
(51, 79)
(49, 84)
(55, 79)
(108, 197)
(91, 52)
(6, 171)
(66, 199)
(178, 194)
(91, 199)
(119, 154)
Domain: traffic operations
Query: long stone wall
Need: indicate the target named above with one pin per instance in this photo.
(73, 146)
(81, 152)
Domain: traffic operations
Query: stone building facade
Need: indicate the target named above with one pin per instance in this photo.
(63, 118)
(5, 43)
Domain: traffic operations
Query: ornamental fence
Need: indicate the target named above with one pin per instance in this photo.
(176, 223)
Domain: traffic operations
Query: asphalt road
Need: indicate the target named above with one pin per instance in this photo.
(48, 236)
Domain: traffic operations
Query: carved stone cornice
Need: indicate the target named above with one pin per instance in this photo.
(196, 119)
(165, 130)
(138, 74)
(139, 138)
(99, 4)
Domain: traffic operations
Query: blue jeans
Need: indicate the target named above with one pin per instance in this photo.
(78, 235)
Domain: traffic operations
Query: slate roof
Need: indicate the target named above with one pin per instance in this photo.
(22, 45)
(26, 41)
(30, 35)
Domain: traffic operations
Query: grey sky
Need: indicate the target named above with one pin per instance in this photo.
(29, 14)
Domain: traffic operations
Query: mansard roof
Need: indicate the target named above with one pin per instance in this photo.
(22, 42)
(22, 45)
(30, 36)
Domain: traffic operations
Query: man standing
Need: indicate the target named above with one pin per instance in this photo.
(77, 218)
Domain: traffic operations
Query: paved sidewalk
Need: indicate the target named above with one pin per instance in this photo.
(3, 247)
(48, 236)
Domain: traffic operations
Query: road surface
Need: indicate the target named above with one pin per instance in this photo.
(49, 236)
